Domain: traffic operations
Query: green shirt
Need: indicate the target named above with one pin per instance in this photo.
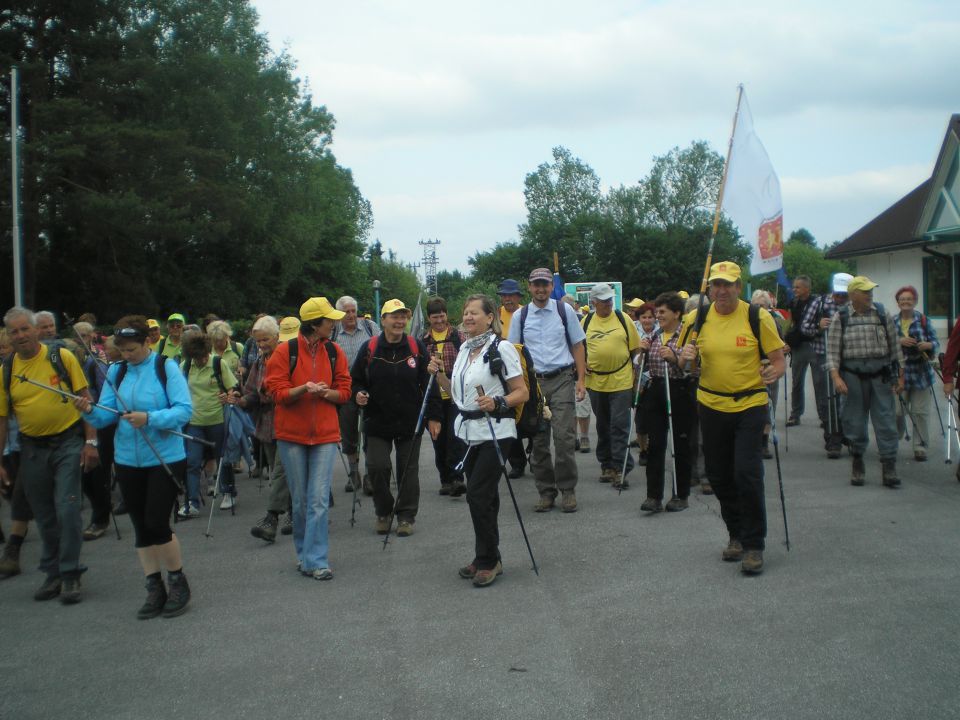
(170, 350)
(204, 390)
(230, 357)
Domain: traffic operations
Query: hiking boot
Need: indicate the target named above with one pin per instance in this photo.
(544, 504)
(156, 598)
(890, 478)
(705, 487)
(189, 510)
(585, 445)
(10, 561)
(791, 422)
(651, 505)
(444, 489)
(70, 591)
(178, 595)
(95, 530)
(677, 504)
(457, 488)
(619, 483)
(859, 471)
(606, 475)
(487, 577)
(833, 453)
(568, 501)
(382, 525)
(286, 527)
(322, 574)
(515, 473)
(266, 529)
(767, 455)
(468, 572)
(49, 590)
(367, 486)
(752, 563)
(733, 552)
(404, 528)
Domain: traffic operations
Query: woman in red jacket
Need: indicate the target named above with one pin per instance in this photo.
(308, 379)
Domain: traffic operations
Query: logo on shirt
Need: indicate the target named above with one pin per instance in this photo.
(54, 380)
(412, 362)
(741, 340)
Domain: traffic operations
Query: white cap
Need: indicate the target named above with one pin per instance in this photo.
(602, 291)
(840, 282)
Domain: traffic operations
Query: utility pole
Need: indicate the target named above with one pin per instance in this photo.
(430, 265)
(15, 186)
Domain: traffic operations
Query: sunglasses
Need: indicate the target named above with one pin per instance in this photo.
(128, 333)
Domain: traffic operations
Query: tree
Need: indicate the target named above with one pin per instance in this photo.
(682, 186)
(802, 236)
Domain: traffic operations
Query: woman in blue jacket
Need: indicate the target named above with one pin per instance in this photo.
(150, 406)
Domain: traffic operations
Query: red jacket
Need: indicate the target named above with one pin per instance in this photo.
(307, 419)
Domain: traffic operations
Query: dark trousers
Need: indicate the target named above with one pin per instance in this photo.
(96, 486)
(518, 455)
(150, 497)
(683, 409)
(349, 414)
(612, 410)
(483, 472)
(732, 449)
(19, 507)
(408, 476)
(448, 449)
(801, 358)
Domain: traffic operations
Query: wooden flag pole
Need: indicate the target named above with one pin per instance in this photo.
(556, 263)
(716, 223)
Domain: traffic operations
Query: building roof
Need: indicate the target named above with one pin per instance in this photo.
(898, 227)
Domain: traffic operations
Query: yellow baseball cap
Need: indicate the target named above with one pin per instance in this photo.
(319, 307)
(684, 294)
(635, 303)
(151, 323)
(725, 270)
(863, 283)
(289, 327)
(392, 306)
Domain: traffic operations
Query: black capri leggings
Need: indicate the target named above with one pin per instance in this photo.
(150, 497)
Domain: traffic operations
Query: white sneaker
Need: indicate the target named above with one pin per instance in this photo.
(228, 502)
(189, 510)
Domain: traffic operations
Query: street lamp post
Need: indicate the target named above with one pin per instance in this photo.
(376, 300)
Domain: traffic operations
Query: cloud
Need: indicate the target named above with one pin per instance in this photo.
(427, 206)
(890, 183)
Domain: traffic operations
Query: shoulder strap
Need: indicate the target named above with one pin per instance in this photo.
(186, 367)
(122, 373)
(218, 373)
(586, 321)
(753, 315)
(8, 374)
(370, 326)
(562, 311)
(623, 324)
(414, 347)
(524, 311)
(372, 348)
(53, 355)
(332, 354)
(161, 346)
(293, 349)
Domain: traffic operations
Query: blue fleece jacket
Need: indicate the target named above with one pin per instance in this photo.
(142, 392)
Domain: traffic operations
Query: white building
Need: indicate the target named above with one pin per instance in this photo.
(916, 241)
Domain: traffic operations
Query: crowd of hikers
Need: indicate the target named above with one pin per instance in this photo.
(685, 386)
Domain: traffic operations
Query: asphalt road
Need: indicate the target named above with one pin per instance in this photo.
(631, 616)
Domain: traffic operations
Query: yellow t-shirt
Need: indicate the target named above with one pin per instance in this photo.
(905, 324)
(729, 358)
(505, 317)
(156, 345)
(607, 350)
(437, 338)
(41, 412)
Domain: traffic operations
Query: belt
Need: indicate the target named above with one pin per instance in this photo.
(553, 373)
(737, 396)
(74, 429)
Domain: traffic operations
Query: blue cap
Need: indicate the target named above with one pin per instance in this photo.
(509, 287)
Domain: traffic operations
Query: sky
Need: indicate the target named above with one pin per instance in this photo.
(443, 108)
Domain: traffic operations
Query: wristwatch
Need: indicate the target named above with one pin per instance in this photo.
(93, 443)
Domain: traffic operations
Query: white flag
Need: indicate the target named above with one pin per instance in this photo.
(751, 196)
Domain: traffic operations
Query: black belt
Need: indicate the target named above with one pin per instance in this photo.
(74, 429)
(553, 373)
(737, 396)
(477, 414)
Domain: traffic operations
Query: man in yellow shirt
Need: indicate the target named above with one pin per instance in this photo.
(154, 335)
(510, 296)
(612, 341)
(53, 451)
(732, 400)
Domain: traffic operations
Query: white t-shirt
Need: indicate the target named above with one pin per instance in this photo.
(464, 379)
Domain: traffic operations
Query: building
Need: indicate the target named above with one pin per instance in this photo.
(917, 237)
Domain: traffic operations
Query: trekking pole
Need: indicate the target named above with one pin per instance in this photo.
(109, 482)
(349, 480)
(633, 411)
(360, 449)
(216, 483)
(776, 454)
(786, 425)
(916, 430)
(936, 402)
(401, 481)
(513, 497)
(670, 436)
(949, 438)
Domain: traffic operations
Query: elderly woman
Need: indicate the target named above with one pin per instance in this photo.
(151, 403)
(919, 343)
(645, 320)
(209, 380)
(230, 352)
(256, 399)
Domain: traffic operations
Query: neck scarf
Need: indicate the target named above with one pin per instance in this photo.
(477, 341)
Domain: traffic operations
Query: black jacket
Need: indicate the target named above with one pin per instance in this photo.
(396, 384)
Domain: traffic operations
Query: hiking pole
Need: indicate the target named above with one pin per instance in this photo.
(786, 425)
(216, 483)
(633, 411)
(402, 480)
(936, 402)
(513, 497)
(349, 480)
(776, 454)
(949, 438)
(671, 439)
(360, 449)
(913, 421)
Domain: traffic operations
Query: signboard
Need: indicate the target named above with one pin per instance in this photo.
(581, 291)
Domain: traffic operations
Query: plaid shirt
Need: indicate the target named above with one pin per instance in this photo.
(823, 307)
(862, 339)
(917, 373)
(656, 364)
(351, 342)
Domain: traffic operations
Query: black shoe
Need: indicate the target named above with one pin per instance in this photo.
(643, 458)
(70, 592)
(515, 473)
(266, 529)
(367, 486)
(156, 597)
(457, 488)
(178, 595)
(444, 489)
(793, 421)
(49, 590)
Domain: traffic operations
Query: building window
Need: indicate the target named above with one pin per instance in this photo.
(937, 286)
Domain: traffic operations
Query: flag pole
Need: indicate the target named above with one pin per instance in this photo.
(556, 262)
(716, 222)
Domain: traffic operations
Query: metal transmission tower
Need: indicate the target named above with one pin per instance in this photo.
(430, 265)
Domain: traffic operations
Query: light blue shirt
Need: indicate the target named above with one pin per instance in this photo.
(543, 335)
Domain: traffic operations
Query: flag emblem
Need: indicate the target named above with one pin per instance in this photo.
(770, 237)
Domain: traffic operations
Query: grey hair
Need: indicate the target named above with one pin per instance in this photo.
(693, 302)
(20, 311)
(346, 300)
(267, 324)
(83, 327)
(219, 329)
(46, 314)
(761, 298)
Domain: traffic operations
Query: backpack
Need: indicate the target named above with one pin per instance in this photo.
(626, 335)
(372, 348)
(753, 316)
(293, 347)
(53, 355)
(528, 416)
(217, 371)
(160, 367)
(561, 310)
(844, 312)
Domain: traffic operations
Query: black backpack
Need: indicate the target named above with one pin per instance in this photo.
(561, 310)
(626, 336)
(217, 371)
(293, 347)
(753, 316)
(160, 367)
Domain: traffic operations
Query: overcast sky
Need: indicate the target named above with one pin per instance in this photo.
(442, 108)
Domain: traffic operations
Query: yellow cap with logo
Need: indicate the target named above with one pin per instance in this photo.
(392, 306)
(862, 283)
(725, 270)
(319, 307)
